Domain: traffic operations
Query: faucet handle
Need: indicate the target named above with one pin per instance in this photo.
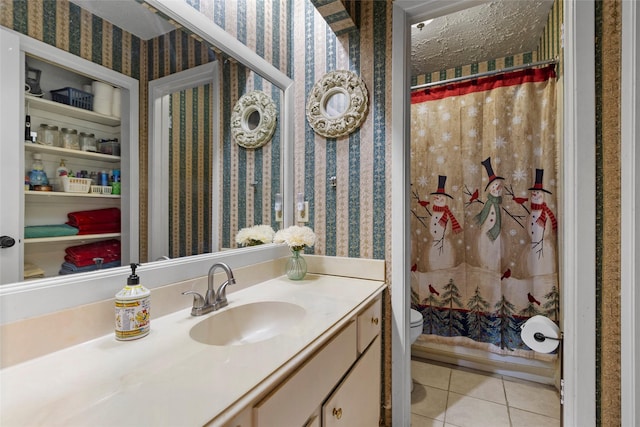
(198, 300)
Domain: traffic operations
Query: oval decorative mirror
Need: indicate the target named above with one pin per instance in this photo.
(253, 119)
(337, 104)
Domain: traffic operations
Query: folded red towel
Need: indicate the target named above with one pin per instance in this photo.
(82, 255)
(108, 215)
(90, 261)
(99, 228)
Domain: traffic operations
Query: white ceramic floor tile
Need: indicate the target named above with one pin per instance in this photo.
(532, 397)
(477, 385)
(431, 375)
(420, 421)
(465, 411)
(520, 418)
(428, 401)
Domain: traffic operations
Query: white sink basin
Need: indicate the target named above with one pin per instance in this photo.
(249, 323)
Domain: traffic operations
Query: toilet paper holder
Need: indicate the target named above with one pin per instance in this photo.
(540, 337)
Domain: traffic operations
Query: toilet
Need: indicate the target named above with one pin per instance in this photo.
(415, 331)
(416, 325)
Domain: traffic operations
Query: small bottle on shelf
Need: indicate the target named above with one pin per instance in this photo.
(37, 176)
(62, 169)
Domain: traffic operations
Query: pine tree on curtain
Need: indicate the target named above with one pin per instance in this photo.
(484, 167)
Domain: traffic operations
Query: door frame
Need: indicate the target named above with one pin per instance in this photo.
(577, 238)
(159, 91)
(629, 212)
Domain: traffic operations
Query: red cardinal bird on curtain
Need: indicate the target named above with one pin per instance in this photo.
(520, 200)
(532, 299)
(474, 197)
(506, 274)
(433, 290)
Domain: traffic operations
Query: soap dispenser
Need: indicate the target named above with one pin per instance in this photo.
(133, 309)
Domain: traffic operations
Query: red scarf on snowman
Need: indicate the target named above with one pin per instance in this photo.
(455, 226)
(542, 219)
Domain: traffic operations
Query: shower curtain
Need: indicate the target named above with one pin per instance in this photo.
(484, 176)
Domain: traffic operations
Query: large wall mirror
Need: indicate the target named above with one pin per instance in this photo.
(242, 183)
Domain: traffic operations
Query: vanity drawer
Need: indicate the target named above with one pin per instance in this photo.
(293, 402)
(369, 322)
(356, 401)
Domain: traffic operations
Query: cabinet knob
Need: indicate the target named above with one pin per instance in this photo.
(6, 242)
(337, 413)
(374, 320)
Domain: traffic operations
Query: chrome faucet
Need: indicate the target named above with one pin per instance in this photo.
(212, 301)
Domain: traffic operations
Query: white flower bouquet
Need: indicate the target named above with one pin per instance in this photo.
(256, 235)
(296, 237)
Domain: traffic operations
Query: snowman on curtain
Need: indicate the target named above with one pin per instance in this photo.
(490, 222)
(539, 257)
(441, 252)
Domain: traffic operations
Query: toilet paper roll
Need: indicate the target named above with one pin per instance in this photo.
(102, 98)
(115, 103)
(540, 334)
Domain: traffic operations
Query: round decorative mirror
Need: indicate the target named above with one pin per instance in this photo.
(337, 104)
(253, 119)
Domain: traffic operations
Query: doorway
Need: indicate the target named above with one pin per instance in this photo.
(577, 238)
(203, 78)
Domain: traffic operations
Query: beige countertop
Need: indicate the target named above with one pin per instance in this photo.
(168, 378)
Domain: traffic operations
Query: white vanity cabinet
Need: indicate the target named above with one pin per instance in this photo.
(30, 208)
(338, 386)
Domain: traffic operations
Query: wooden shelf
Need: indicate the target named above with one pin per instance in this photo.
(29, 193)
(66, 153)
(68, 110)
(76, 238)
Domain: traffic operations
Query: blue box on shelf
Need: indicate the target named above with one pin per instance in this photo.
(73, 97)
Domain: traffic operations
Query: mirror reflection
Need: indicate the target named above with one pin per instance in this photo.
(253, 120)
(336, 103)
(246, 181)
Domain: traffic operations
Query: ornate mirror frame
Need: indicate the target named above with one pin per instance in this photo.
(243, 133)
(343, 122)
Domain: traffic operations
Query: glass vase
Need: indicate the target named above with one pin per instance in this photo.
(296, 267)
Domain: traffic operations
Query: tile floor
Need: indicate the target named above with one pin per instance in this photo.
(446, 396)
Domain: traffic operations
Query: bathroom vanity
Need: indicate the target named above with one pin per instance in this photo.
(281, 353)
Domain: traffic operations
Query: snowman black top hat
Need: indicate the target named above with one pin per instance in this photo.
(538, 183)
(492, 176)
(441, 180)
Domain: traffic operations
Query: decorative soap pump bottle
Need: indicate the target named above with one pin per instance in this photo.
(133, 309)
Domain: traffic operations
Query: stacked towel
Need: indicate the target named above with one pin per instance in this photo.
(83, 255)
(96, 221)
(69, 268)
(54, 230)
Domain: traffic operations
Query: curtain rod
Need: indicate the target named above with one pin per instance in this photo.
(486, 73)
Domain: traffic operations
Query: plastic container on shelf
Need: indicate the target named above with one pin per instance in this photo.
(69, 139)
(109, 146)
(73, 97)
(88, 142)
(101, 189)
(48, 135)
(71, 184)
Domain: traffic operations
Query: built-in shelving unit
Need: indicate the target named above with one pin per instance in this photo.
(69, 111)
(78, 238)
(52, 207)
(29, 193)
(66, 153)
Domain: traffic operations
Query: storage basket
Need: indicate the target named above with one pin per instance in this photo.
(73, 97)
(101, 189)
(72, 184)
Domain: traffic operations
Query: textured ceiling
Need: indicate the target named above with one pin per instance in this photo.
(488, 31)
(129, 15)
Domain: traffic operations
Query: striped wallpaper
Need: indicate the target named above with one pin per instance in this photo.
(353, 218)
